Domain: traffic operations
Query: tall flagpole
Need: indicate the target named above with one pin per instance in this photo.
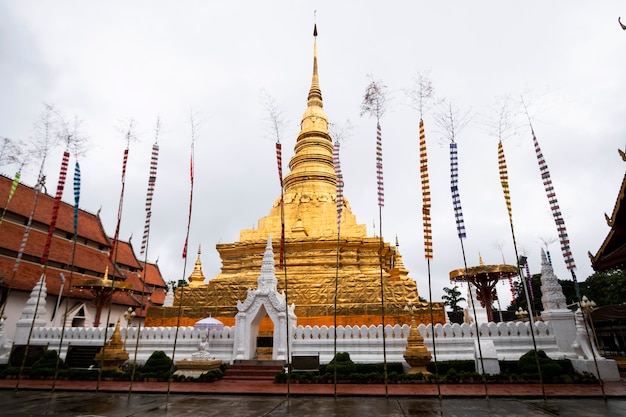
(504, 181)
(428, 238)
(460, 228)
(381, 203)
(282, 262)
(182, 281)
(561, 229)
(46, 251)
(115, 247)
(374, 105)
(154, 158)
(339, 201)
(69, 286)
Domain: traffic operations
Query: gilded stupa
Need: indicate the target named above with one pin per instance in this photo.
(310, 250)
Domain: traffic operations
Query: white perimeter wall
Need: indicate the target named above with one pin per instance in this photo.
(364, 343)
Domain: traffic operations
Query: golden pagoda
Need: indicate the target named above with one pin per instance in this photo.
(309, 211)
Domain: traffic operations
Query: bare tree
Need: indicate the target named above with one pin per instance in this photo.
(422, 95)
(451, 120)
(340, 133)
(374, 100)
(500, 122)
(10, 151)
(274, 115)
(71, 136)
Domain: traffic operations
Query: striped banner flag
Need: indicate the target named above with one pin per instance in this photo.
(119, 210)
(339, 175)
(530, 282)
(513, 298)
(190, 202)
(279, 163)
(504, 180)
(16, 181)
(554, 206)
(379, 166)
(76, 197)
(149, 194)
(454, 187)
(40, 184)
(428, 232)
(56, 206)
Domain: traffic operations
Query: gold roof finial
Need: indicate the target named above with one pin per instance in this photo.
(312, 165)
(196, 279)
(315, 93)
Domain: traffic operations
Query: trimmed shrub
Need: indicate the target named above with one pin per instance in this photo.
(158, 365)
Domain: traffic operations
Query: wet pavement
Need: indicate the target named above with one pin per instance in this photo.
(111, 404)
(265, 398)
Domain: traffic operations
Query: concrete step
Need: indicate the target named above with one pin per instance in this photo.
(254, 370)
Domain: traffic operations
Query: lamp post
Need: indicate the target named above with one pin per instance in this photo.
(128, 316)
(587, 306)
(521, 314)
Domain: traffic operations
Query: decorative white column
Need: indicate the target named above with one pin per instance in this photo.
(555, 308)
(33, 314)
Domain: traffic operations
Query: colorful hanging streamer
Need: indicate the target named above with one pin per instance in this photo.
(76, 196)
(514, 299)
(554, 206)
(530, 282)
(279, 162)
(504, 180)
(149, 195)
(339, 175)
(426, 200)
(379, 166)
(16, 181)
(40, 184)
(56, 206)
(454, 187)
(121, 204)
(190, 202)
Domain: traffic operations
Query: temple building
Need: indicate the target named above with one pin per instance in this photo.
(314, 257)
(68, 302)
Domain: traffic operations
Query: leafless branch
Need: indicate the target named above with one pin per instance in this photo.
(10, 151)
(451, 121)
(274, 116)
(374, 100)
(501, 120)
(341, 133)
(422, 95)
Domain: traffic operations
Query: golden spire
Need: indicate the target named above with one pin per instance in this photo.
(311, 168)
(315, 93)
(196, 279)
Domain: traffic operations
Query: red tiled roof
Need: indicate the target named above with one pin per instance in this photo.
(153, 276)
(90, 256)
(158, 296)
(125, 256)
(85, 257)
(28, 274)
(89, 225)
(612, 252)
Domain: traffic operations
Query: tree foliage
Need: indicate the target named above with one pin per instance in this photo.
(605, 288)
(452, 298)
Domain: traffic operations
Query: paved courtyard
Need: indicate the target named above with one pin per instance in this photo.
(111, 404)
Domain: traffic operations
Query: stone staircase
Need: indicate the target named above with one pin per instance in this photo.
(256, 370)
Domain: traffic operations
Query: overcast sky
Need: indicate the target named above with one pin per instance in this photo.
(110, 62)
